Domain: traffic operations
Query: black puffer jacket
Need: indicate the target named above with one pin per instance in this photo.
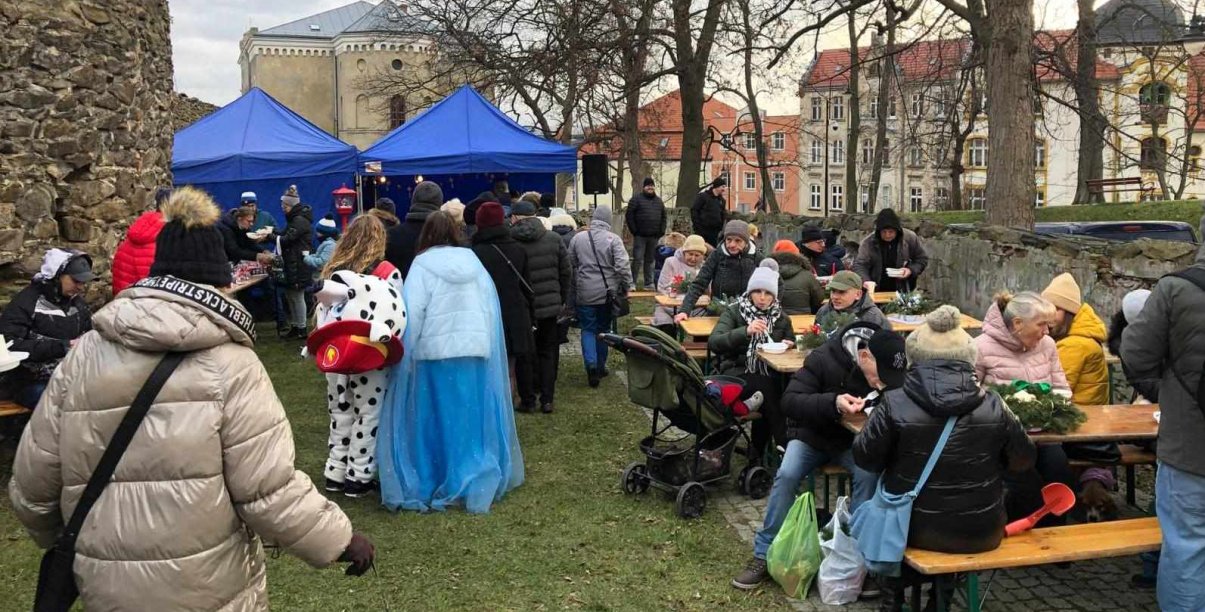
(727, 275)
(707, 214)
(402, 239)
(799, 291)
(294, 242)
(548, 269)
(238, 246)
(810, 401)
(646, 215)
(961, 508)
(494, 247)
(41, 321)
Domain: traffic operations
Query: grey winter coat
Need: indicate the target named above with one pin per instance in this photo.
(799, 291)
(1166, 341)
(548, 270)
(727, 275)
(589, 288)
(865, 310)
(871, 267)
(646, 215)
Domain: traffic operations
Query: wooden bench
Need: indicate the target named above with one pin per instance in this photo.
(640, 295)
(696, 350)
(643, 320)
(1132, 183)
(1037, 547)
(8, 409)
(1131, 456)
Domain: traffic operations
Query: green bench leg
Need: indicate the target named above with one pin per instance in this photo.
(973, 592)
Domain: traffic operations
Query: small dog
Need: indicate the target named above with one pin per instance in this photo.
(1096, 495)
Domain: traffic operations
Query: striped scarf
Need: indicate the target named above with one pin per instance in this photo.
(750, 313)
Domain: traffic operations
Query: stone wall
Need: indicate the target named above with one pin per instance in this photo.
(187, 110)
(85, 126)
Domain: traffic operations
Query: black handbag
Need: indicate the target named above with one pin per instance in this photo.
(56, 578)
(617, 303)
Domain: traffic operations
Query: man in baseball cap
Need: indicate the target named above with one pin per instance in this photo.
(845, 295)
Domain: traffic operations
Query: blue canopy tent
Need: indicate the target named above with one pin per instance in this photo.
(464, 143)
(257, 144)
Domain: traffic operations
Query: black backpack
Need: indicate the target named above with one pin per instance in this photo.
(1195, 276)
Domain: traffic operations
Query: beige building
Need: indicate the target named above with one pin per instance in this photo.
(323, 68)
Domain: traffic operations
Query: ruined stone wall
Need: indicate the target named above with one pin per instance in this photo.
(187, 110)
(85, 126)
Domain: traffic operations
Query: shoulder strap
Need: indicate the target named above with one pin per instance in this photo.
(933, 457)
(510, 265)
(597, 261)
(1195, 276)
(117, 447)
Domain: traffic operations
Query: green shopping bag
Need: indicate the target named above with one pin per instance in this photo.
(794, 556)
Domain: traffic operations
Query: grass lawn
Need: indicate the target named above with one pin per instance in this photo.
(568, 538)
(1188, 211)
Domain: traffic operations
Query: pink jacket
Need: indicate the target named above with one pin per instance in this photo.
(1002, 360)
(672, 267)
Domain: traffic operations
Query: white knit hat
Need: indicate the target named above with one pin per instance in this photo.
(765, 278)
(1133, 302)
(941, 337)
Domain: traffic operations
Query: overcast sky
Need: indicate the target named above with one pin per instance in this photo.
(206, 34)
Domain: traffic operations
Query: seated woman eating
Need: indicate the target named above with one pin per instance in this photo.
(754, 319)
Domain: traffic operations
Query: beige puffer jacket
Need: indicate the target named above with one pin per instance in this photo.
(210, 468)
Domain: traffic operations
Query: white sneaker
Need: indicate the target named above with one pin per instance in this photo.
(755, 401)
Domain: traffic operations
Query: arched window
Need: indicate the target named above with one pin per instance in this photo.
(1154, 154)
(397, 111)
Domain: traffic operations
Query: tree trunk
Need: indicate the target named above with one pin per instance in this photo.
(763, 164)
(1091, 164)
(886, 82)
(1010, 90)
(692, 49)
(852, 195)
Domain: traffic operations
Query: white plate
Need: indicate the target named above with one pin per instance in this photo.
(824, 279)
(895, 272)
(774, 348)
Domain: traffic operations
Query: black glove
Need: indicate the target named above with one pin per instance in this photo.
(360, 553)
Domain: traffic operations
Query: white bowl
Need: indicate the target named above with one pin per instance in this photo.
(824, 279)
(774, 348)
(895, 272)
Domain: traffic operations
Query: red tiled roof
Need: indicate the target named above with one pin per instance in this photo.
(660, 121)
(1062, 43)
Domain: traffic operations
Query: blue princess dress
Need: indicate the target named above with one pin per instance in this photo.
(448, 428)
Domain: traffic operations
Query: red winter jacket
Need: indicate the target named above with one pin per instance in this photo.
(136, 253)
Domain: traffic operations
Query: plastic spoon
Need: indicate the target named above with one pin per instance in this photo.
(1059, 499)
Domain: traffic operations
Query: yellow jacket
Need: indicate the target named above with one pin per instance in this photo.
(1083, 357)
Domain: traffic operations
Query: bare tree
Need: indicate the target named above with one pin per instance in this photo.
(693, 36)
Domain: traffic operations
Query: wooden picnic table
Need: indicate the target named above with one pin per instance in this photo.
(247, 284)
(675, 301)
(701, 327)
(1112, 423)
(785, 363)
(636, 295)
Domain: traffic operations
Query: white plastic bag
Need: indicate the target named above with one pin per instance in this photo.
(843, 568)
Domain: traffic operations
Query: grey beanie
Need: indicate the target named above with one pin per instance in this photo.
(291, 197)
(603, 213)
(428, 196)
(764, 278)
(737, 228)
(768, 263)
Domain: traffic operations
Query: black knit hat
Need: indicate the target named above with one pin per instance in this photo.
(648, 182)
(887, 219)
(811, 233)
(190, 245)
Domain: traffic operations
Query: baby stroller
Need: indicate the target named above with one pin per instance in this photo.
(664, 379)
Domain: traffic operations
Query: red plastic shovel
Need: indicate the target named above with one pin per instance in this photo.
(1059, 499)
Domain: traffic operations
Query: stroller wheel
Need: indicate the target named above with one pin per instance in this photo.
(692, 500)
(740, 480)
(635, 478)
(756, 482)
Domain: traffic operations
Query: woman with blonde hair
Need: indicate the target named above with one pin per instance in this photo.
(354, 401)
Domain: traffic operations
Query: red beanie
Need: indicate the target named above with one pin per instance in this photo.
(490, 215)
(785, 246)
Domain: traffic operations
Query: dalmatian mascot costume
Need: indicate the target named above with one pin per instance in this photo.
(361, 318)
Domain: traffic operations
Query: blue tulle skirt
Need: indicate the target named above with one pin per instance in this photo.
(448, 436)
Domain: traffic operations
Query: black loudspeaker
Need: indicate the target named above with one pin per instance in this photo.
(594, 175)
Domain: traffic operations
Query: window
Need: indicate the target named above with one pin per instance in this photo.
(864, 197)
(916, 157)
(976, 198)
(815, 199)
(750, 181)
(779, 181)
(939, 106)
(891, 107)
(886, 151)
(750, 141)
(778, 141)
(1039, 197)
(918, 105)
(872, 109)
(817, 108)
(1037, 104)
(874, 70)
(836, 199)
(978, 153)
(1154, 154)
(885, 196)
(817, 152)
(1039, 155)
(867, 151)
(916, 199)
(941, 198)
(397, 111)
(838, 155)
(836, 111)
(1154, 93)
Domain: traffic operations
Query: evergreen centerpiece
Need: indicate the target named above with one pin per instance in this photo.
(680, 283)
(719, 304)
(1039, 408)
(910, 303)
(834, 321)
(812, 339)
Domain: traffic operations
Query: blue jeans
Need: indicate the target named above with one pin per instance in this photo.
(594, 320)
(799, 461)
(1180, 505)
